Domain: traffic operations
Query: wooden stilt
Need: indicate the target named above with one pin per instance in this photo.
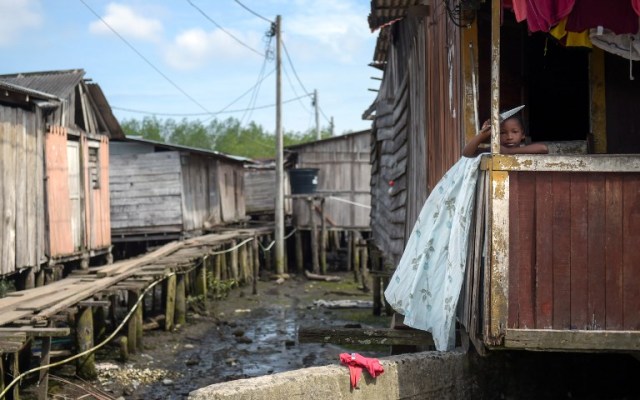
(45, 358)
(15, 371)
(201, 279)
(234, 262)
(336, 240)
(169, 302)
(349, 250)
(223, 265)
(299, 256)
(29, 279)
(364, 270)
(181, 301)
(139, 315)
(242, 259)
(85, 365)
(314, 237)
(99, 323)
(124, 348)
(256, 264)
(40, 278)
(356, 255)
(112, 311)
(323, 239)
(217, 266)
(132, 335)
(268, 260)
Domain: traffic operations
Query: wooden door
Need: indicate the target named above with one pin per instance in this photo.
(75, 190)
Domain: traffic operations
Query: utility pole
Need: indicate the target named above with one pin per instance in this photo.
(315, 104)
(331, 126)
(279, 215)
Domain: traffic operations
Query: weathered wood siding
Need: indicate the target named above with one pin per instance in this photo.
(146, 193)
(418, 126)
(60, 238)
(345, 173)
(573, 245)
(260, 191)
(98, 221)
(21, 190)
(231, 184)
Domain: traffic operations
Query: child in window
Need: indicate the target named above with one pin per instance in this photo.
(511, 139)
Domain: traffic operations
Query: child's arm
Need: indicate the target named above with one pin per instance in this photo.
(484, 135)
(533, 148)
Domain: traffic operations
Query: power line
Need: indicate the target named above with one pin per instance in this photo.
(294, 89)
(293, 68)
(254, 96)
(324, 115)
(144, 58)
(207, 114)
(224, 30)
(253, 12)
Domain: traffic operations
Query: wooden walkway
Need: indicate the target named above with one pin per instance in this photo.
(39, 311)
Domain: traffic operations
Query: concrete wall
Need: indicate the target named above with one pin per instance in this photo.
(428, 375)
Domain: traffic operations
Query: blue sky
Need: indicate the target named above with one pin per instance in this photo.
(187, 65)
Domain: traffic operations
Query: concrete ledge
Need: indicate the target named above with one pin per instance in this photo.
(427, 375)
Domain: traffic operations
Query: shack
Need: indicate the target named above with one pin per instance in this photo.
(162, 191)
(260, 190)
(558, 232)
(330, 191)
(56, 128)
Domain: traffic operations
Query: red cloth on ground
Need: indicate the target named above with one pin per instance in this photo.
(356, 363)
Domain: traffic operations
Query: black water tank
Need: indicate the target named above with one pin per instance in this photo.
(303, 180)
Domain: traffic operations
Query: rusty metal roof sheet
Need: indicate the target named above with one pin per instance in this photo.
(58, 83)
(385, 11)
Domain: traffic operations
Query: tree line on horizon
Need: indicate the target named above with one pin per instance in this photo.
(227, 136)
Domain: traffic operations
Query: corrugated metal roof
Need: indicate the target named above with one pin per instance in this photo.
(385, 11)
(26, 91)
(189, 149)
(340, 137)
(58, 83)
(103, 107)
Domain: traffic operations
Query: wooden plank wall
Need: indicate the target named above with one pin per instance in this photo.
(195, 191)
(574, 240)
(260, 191)
(21, 193)
(231, 184)
(60, 238)
(344, 171)
(146, 193)
(97, 208)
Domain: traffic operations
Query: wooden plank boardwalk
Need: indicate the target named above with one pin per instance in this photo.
(43, 311)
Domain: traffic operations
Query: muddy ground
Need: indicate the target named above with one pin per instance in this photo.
(241, 336)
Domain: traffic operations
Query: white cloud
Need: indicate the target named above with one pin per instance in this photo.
(124, 20)
(195, 47)
(17, 16)
(340, 27)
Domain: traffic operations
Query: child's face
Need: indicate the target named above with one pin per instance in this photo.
(511, 133)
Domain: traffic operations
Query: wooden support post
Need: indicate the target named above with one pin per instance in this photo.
(217, 263)
(314, 237)
(113, 298)
(299, 254)
(349, 250)
(223, 266)
(181, 301)
(256, 264)
(234, 262)
(84, 262)
(250, 260)
(364, 269)
(132, 335)
(169, 302)
(28, 278)
(201, 279)
(2, 373)
(139, 316)
(356, 255)
(15, 371)
(40, 278)
(99, 323)
(323, 239)
(242, 259)
(124, 348)
(45, 358)
(85, 365)
(268, 261)
(336, 241)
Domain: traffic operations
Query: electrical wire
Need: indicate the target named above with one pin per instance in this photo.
(145, 59)
(224, 30)
(286, 52)
(254, 13)
(294, 89)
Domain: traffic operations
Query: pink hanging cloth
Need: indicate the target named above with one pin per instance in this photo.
(543, 14)
(618, 16)
(357, 363)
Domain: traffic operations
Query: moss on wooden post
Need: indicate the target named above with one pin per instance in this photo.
(256, 263)
(234, 261)
(242, 258)
(124, 348)
(132, 324)
(85, 365)
(169, 297)
(181, 301)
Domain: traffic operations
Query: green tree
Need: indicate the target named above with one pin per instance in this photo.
(149, 128)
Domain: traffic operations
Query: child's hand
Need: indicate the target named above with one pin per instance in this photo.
(486, 125)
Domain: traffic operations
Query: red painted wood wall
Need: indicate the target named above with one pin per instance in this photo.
(574, 250)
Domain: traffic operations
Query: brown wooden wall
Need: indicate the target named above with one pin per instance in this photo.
(574, 261)
(98, 219)
(21, 190)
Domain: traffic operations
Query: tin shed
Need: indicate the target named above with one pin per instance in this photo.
(165, 191)
(55, 159)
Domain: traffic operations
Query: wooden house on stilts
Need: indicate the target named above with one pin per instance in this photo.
(161, 191)
(55, 135)
(552, 262)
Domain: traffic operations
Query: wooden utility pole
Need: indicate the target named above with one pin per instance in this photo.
(279, 215)
(315, 105)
